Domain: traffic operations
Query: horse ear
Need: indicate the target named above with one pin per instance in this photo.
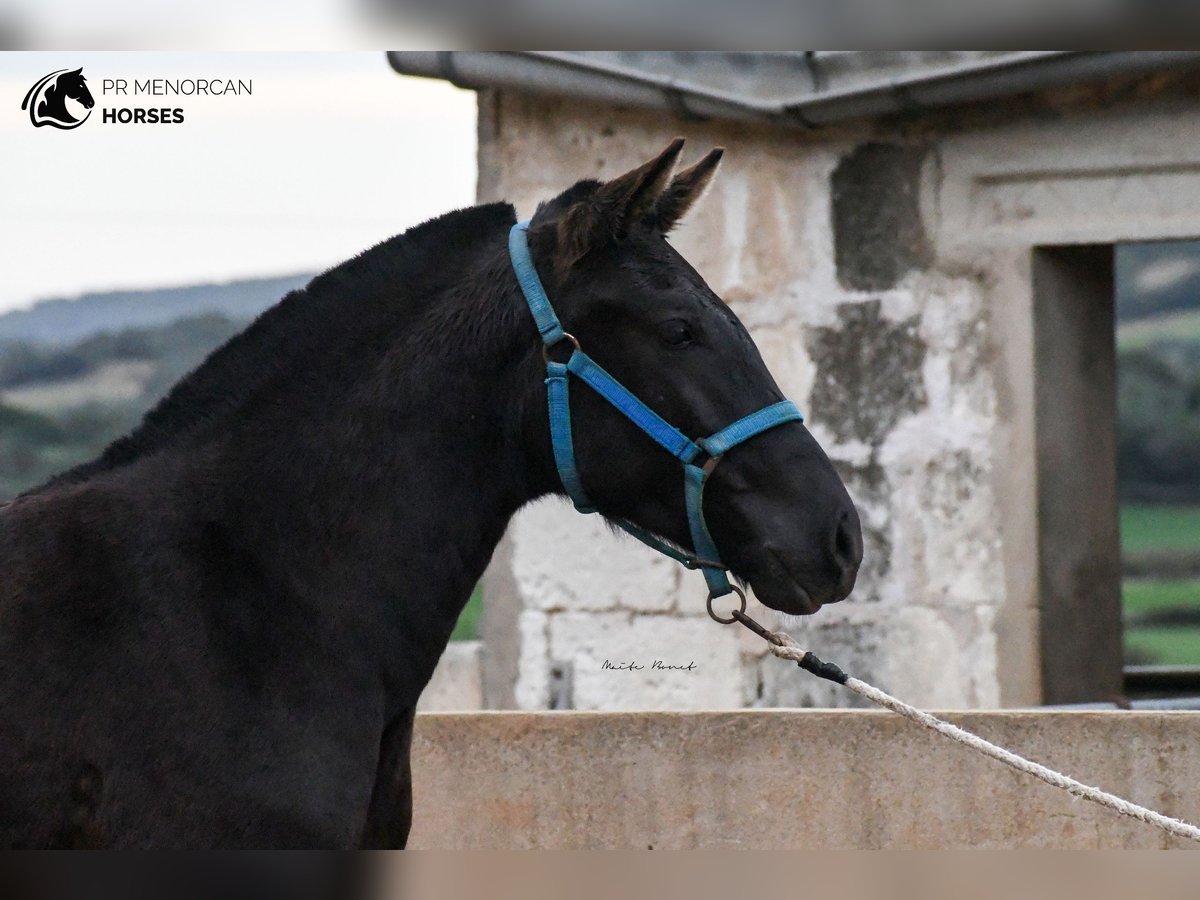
(630, 197)
(685, 189)
(78, 71)
(616, 205)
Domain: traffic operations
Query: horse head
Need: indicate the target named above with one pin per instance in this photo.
(775, 506)
(74, 85)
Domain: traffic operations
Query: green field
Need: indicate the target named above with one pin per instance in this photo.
(1148, 529)
(1140, 596)
(1164, 646)
(1160, 531)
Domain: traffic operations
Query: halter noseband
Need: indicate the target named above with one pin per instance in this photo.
(687, 451)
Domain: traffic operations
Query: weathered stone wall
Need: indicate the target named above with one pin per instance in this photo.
(791, 780)
(457, 682)
(886, 274)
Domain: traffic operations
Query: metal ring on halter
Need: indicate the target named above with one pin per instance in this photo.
(565, 337)
(732, 618)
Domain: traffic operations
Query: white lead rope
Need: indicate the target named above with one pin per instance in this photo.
(783, 646)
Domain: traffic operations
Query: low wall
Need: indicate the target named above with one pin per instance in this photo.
(784, 779)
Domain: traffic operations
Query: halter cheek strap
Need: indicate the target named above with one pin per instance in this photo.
(698, 457)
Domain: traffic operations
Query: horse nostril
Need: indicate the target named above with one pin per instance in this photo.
(847, 543)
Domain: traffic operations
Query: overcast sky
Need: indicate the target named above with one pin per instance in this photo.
(331, 153)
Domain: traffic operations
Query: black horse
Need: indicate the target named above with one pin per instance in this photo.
(52, 107)
(215, 634)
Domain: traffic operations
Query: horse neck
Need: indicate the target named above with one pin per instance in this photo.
(389, 487)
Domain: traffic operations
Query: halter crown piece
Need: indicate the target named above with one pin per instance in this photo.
(687, 451)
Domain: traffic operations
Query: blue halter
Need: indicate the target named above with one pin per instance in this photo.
(687, 451)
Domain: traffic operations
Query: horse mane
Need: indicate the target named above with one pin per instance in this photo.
(383, 284)
(52, 98)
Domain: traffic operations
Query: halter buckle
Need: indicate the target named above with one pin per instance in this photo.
(710, 464)
(565, 337)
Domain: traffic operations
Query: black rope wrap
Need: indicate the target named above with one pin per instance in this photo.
(827, 670)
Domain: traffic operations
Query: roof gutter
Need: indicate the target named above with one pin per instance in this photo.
(595, 80)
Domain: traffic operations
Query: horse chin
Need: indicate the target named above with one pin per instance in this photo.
(776, 587)
(788, 598)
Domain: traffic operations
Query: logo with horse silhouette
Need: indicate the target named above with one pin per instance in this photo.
(47, 99)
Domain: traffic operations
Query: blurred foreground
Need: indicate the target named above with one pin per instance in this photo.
(181, 876)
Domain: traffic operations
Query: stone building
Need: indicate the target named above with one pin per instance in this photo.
(922, 246)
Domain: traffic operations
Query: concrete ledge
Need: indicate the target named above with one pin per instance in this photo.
(790, 779)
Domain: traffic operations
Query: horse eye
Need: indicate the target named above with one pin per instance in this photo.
(675, 333)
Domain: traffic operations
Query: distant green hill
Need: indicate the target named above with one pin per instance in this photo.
(66, 321)
(61, 405)
(77, 374)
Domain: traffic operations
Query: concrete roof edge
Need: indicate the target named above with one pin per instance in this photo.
(924, 87)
